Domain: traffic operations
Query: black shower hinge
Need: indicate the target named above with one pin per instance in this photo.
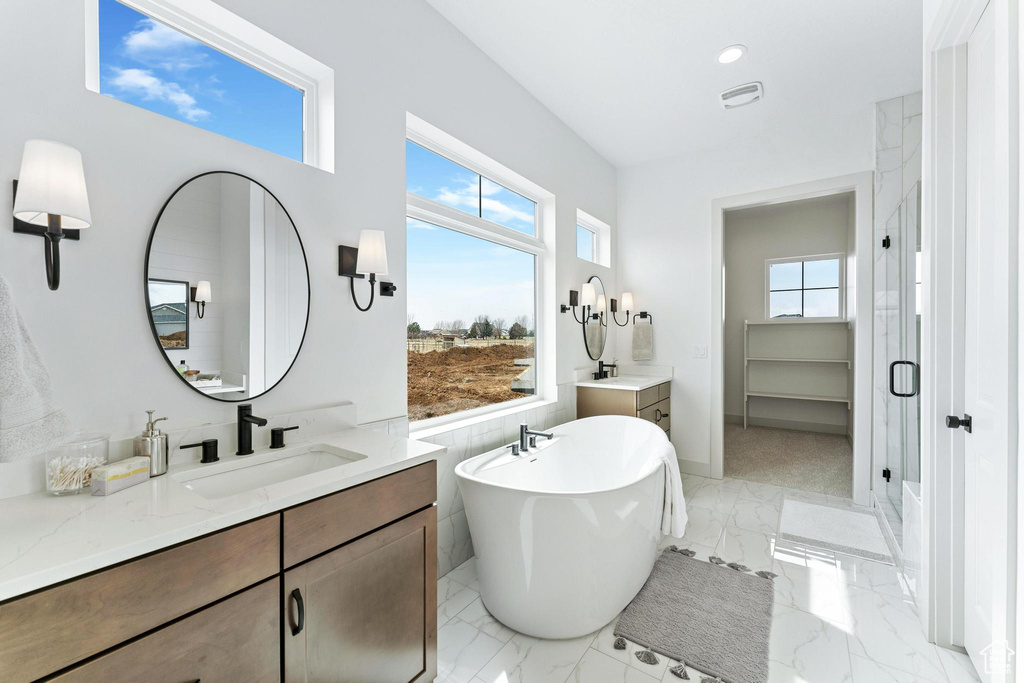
(887, 473)
(886, 242)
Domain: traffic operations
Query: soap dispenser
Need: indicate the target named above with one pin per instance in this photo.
(153, 444)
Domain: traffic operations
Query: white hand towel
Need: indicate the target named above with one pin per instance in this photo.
(30, 420)
(673, 517)
(643, 339)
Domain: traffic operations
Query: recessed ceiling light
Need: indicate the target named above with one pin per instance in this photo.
(731, 54)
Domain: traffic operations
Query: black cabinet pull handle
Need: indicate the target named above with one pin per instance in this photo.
(297, 597)
(657, 414)
(915, 375)
(955, 422)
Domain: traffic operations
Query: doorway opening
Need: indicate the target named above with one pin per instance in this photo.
(788, 344)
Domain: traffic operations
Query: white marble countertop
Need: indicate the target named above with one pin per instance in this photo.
(46, 539)
(625, 382)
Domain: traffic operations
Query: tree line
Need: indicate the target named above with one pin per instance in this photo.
(483, 327)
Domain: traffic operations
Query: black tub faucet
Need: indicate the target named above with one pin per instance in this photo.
(525, 432)
(245, 422)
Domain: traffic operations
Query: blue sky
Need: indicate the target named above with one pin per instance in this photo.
(148, 64)
(452, 275)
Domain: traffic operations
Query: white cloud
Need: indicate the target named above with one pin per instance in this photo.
(155, 44)
(143, 82)
(503, 213)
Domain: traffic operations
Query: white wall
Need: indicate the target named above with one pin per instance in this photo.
(750, 237)
(664, 244)
(389, 58)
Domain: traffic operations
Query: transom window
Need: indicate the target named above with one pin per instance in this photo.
(198, 63)
(805, 287)
(431, 175)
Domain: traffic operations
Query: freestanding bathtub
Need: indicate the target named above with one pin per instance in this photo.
(566, 534)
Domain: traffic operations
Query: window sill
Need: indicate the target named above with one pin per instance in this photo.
(441, 425)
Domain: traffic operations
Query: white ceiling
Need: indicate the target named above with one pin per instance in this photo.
(639, 79)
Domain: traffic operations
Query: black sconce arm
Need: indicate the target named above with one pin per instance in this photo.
(352, 286)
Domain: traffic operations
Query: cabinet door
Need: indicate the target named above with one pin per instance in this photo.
(235, 640)
(366, 611)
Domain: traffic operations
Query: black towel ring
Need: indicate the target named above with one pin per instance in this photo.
(642, 315)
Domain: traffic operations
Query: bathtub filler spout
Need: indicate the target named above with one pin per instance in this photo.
(525, 431)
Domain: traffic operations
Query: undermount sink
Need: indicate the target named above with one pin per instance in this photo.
(239, 475)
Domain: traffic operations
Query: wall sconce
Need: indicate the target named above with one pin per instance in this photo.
(370, 258)
(627, 305)
(588, 302)
(201, 295)
(53, 202)
(601, 303)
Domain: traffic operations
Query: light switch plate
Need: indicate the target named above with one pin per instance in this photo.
(700, 352)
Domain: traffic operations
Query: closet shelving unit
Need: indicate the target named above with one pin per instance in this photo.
(796, 359)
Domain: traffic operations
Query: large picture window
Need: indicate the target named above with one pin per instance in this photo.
(474, 262)
(806, 287)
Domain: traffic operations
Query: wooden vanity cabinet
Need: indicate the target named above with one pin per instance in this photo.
(361, 563)
(367, 611)
(651, 404)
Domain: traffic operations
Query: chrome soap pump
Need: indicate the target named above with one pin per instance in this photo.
(153, 444)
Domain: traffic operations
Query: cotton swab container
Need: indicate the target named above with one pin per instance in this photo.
(69, 467)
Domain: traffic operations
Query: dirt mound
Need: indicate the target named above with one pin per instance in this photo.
(444, 382)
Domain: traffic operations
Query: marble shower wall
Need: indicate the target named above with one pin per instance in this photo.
(454, 545)
(897, 170)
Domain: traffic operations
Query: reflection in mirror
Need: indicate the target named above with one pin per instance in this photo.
(595, 329)
(231, 234)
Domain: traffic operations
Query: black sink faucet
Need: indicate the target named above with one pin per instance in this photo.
(245, 422)
(602, 372)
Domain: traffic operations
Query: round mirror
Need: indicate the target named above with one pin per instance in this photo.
(595, 329)
(227, 286)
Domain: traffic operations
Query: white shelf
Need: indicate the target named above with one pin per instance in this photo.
(789, 364)
(799, 397)
(798, 321)
(222, 389)
(801, 360)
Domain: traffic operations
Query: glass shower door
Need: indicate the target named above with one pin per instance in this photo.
(901, 315)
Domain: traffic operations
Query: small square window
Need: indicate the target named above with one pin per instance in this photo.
(810, 287)
(586, 244)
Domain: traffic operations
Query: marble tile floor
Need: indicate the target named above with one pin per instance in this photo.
(836, 618)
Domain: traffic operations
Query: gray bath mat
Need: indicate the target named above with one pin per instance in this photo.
(847, 529)
(712, 618)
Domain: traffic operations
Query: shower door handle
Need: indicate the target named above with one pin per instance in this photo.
(915, 375)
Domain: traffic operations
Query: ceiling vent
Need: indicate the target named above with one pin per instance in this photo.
(747, 93)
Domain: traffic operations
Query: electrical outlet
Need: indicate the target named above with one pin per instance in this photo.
(700, 352)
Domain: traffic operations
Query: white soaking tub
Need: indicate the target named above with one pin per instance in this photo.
(566, 534)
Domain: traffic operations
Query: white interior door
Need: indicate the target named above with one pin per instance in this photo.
(987, 365)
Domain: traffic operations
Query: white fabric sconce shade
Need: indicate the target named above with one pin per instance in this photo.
(601, 303)
(373, 253)
(203, 293)
(52, 182)
(588, 296)
(627, 301)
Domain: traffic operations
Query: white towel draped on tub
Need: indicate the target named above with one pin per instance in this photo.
(673, 518)
(30, 420)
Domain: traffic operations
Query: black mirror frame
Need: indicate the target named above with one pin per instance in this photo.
(586, 322)
(145, 284)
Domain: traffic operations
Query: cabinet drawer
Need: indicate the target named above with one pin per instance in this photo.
(325, 523)
(646, 397)
(235, 640)
(658, 414)
(664, 390)
(56, 627)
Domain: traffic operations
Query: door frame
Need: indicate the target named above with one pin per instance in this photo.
(943, 187)
(858, 310)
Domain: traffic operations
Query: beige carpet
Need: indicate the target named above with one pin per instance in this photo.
(799, 460)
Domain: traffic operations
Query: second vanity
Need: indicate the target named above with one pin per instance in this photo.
(203, 574)
(645, 397)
